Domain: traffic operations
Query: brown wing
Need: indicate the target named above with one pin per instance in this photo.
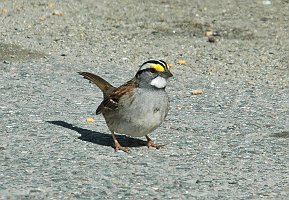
(103, 85)
(111, 101)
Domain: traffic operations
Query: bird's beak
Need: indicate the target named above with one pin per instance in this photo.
(166, 74)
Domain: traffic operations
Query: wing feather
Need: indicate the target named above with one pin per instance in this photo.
(111, 102)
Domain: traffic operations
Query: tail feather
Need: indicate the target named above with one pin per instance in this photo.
(103, 85)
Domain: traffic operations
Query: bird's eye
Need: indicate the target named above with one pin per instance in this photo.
(153, 70)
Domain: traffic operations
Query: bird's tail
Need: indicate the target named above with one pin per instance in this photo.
(103, 85)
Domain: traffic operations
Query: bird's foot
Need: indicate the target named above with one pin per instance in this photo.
(116, 144)
(150, 143)
(118, 147)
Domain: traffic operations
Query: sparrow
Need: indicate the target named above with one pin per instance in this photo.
(137, 107)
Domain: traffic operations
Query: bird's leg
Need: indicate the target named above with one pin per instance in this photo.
(150, 143)
(116, 144)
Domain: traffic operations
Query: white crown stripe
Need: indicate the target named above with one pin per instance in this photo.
(148, 63)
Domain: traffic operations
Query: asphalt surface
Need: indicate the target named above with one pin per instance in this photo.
(231, 142)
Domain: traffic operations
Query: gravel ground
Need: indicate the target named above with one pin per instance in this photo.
(231, 142)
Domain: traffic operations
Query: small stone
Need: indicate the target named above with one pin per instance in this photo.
(208, 33)
(58, 13)
(211, 39)
(51, 5)
(267, 2)
(197, 92)
(182, 62)
(42, 18)
(4, 10)
(89, 120)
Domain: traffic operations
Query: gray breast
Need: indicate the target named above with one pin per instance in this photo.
(140, 114)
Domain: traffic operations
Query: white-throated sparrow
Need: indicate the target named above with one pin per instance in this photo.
(137, 107)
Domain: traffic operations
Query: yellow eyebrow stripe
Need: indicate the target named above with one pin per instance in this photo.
(157, 67)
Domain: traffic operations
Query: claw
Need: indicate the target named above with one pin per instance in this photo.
(117, 146)
(150, 143)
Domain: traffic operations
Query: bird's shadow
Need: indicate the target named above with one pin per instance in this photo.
(100, 138)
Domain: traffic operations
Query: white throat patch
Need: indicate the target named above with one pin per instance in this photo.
(159, 82)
